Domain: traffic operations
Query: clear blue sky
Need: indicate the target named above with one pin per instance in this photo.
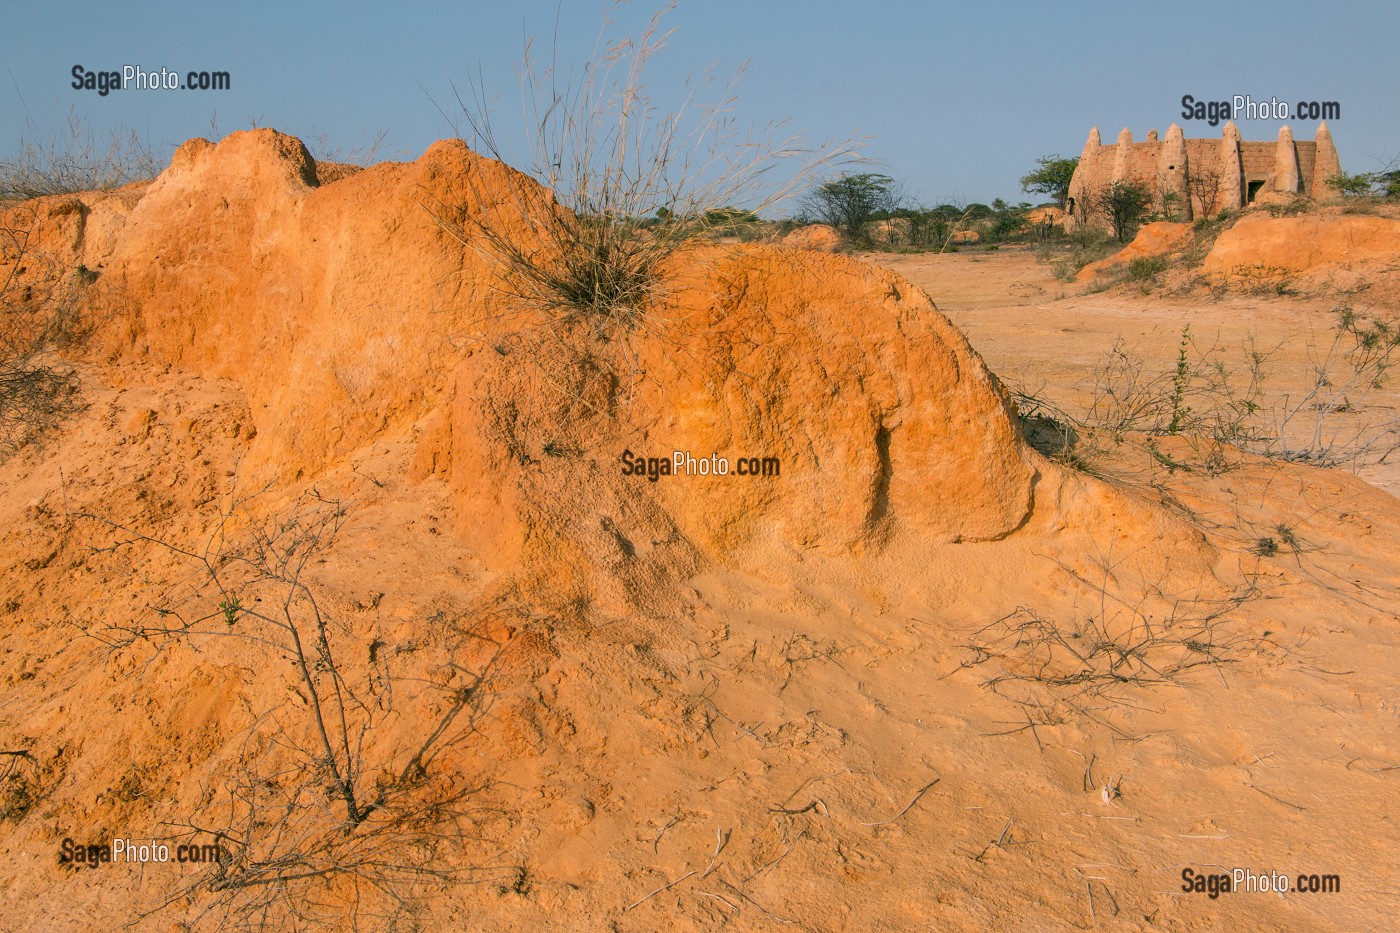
(957, 99)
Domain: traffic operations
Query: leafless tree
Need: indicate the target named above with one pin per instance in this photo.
(1205, 187)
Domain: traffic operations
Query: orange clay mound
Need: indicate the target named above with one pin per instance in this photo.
(329, 308)
(1318, 243)
(1154, 239)
(823, 238)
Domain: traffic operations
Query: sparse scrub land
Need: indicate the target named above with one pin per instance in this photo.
(1185, 262)
(1218, 401)
(874, 212)
(1077, 249)
(882, 219)
(599, 702)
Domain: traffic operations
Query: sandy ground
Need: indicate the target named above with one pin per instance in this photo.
(1051, 337)
(1040, 731)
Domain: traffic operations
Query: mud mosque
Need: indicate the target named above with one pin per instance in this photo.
(1201, 177)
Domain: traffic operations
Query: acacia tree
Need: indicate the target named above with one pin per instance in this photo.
(851, 202)
(1051, 179)
(1384, 184)
(1123, 205)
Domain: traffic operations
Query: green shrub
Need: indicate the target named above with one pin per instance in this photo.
(1384, 184)
(1146, 267)
(1124, 205)
(1007, 223)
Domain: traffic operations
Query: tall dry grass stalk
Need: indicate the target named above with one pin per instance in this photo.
(73, 158)
(632, 182)
(38, 318)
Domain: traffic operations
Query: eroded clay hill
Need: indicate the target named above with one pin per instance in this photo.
(343, 313)
(744, 678)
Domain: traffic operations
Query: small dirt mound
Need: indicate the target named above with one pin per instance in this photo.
(1154, 239)
(820, 237)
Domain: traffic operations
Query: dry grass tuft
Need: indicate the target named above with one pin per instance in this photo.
(632, 184)
(72, 159)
